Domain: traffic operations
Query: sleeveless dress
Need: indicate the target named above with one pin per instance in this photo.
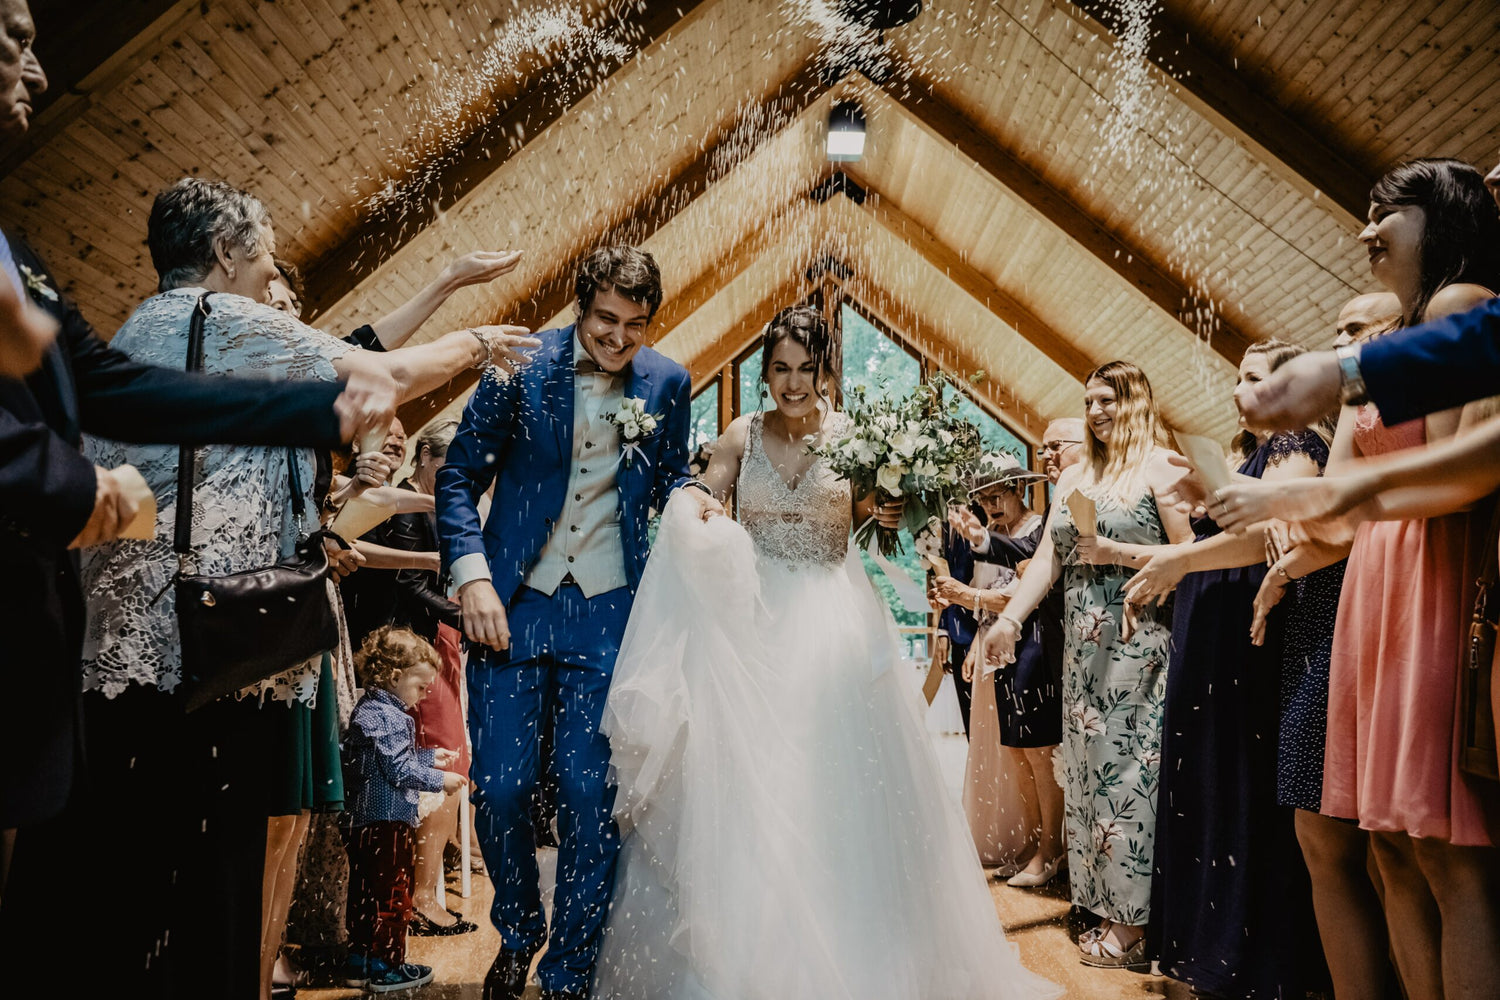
(1392, 753)
(1112, 716)
(1231, 898)
(786, 829)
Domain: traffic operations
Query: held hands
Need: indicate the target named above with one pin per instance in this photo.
(967, 526)
(708, 505)
(484, 615)
(113, 510)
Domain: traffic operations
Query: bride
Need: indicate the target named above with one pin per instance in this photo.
(786, 830)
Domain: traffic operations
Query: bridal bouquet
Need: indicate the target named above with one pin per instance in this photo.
(914, 447)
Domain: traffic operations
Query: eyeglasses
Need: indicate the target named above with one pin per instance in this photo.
(1057, 447)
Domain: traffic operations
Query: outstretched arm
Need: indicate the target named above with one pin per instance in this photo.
(478, 268)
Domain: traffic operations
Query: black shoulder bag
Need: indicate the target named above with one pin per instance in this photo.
(1476, 674)
(241, 628)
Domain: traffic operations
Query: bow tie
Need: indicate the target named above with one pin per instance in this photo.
(588, 366)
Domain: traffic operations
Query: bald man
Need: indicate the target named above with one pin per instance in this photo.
(1366, 316)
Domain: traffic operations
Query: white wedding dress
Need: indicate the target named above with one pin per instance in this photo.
(787, 833)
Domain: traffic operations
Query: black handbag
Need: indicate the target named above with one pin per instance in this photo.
(239, 629)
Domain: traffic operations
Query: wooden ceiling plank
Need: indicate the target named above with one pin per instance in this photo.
(954, 128)
(1296, 153)
(338, 272)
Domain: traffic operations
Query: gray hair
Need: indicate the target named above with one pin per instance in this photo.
(192, 219)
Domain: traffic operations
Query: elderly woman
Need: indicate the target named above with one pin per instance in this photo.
(197, 787)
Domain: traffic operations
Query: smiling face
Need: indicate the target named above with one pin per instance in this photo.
(614, 329)
(1062, 447)
(1099, 405)
(792, 379)
(1365, 316)
(395, 443)
(1393, 243)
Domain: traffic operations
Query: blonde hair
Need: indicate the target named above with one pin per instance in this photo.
(388, 651)
(1117, 470)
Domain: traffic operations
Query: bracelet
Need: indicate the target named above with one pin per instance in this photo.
(486, 348)
(1003, 617)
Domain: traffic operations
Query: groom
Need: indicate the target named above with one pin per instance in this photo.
(546, 589)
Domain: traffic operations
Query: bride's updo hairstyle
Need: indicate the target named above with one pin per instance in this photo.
(1118, 468)
(805, 326)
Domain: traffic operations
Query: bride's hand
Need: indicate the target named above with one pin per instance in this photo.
(708, 504)
(888, 512)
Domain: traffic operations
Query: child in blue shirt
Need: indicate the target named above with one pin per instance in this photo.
(384, 772)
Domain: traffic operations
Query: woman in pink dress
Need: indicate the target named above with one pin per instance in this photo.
(1391, 762)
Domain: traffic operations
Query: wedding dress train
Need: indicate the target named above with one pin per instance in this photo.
(787, 833)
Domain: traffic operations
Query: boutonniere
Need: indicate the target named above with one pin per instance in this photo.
(38, 284)
(634, 425)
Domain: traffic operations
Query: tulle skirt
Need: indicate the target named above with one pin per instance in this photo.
(786, 829)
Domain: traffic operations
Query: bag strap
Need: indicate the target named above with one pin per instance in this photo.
(182, 535)
(186, 466)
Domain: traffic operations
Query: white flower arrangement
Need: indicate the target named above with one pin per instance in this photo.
(634, 425)
(915, 448)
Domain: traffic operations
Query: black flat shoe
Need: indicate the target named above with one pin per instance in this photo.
(421, 926)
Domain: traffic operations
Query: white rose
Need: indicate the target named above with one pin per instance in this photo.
(648, 423)
(904, 444)
(925, 443)
(630, 430)
(889, 479)
(925, 468)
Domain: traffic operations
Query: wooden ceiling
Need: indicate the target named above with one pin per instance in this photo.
(1036, 204)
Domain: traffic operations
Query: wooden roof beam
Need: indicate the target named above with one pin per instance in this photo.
(1299, 153)
(954, 128)
(1012, 313)
(514, 124)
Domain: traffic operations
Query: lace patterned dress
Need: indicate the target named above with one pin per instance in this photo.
(786, 829)
(243, 513)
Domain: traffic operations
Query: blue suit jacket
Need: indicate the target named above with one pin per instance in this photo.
(1434, 366)
(518, 433)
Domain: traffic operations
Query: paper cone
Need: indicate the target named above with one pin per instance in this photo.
(1207, 459)
(133, 485)
(1085, 513)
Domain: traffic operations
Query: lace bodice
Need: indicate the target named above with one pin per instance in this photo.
(243, 514)
(808, 524)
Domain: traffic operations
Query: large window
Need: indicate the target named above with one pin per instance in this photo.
(704, 427)
(875, 361)
(747, 378)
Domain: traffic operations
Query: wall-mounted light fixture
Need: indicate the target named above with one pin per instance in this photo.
(846, 132)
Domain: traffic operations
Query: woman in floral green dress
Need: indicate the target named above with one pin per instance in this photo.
(1115, 668)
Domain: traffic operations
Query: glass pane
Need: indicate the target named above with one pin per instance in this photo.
(704, 427)
(870, 357)
(750, 400)
(996, 436)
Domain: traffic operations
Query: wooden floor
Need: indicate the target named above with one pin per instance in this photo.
(1034, 918)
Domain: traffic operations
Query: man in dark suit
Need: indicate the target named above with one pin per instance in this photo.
(54, 501)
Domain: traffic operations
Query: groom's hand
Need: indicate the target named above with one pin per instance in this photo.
(484, 615)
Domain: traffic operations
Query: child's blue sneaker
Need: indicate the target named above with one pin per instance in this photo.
(356, 971)
(384, 978)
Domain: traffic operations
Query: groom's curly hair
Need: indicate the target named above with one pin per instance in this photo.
(628, 270)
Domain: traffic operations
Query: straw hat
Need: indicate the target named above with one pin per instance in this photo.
(1000, 468)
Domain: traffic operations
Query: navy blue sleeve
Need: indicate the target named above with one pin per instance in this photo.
(1434, 366)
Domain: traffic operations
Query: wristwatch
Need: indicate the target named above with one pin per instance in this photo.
(1351, 382)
